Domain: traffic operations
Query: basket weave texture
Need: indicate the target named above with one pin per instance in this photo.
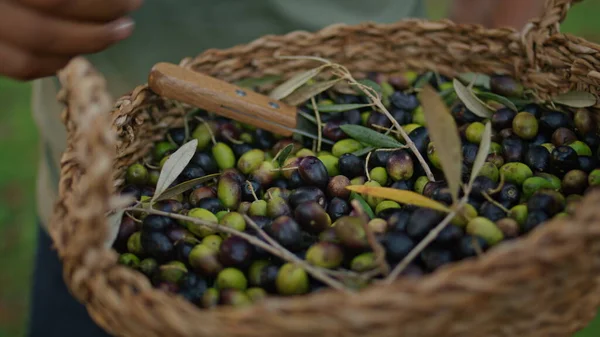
(544, 284)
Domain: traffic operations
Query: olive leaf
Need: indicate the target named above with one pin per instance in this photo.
(368, 83)
(338, 107)
(363, 203)
(257, 82)
(114, 223)
(369, 136)
(479, 80)
(445, 137)
(497, 98)
(295, 82)
(576, 99)
(423, 80)
(174, 166)
(470, 100)
(401, 196)
(307, 92)
(363, 151)
(482, 153)
(178, 189)
(282, 155)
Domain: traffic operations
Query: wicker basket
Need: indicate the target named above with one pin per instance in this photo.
(544, 284)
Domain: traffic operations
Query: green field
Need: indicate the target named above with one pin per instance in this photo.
(18, 150)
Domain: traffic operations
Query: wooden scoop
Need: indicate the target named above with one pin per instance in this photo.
(228, 100)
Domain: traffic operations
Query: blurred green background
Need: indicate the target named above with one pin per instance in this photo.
(18, 150)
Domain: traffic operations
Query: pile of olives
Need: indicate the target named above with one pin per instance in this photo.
(541, 161)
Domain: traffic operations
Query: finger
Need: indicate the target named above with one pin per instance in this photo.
(21, 65)
(85, 10)
(40, 34)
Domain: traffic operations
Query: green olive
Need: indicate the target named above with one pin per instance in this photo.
(525, 125)
(213, 241)
(433, 157)
(231, 278)
(129, 260)
(203, 135)
(331, 164)
(325, 255)
(223, 155)
(386, 204)
(233, 220)
(419, 116)
(465, 215)
(162, 148)
(137, 174)
(258, 208)
(474, 132)
(581, 148)
(250, 161)
(420, 184)
(292, 280)
(363, 262)
(371, 200)
(172, 272)
(379, 174)
(485, 229)
(210, 299)
(594, 177)
(519, 213)
(490, 170)
(516, 172)
(134, 244)
(205, 215)
(256, 294)
(344, 146)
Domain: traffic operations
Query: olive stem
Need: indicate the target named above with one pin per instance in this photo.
(234, 141)
(285, 169)
(252, 190)
(432, 235)
(212, 135)
(377, 101)
(367, 166)
(377, 248)
(500, 185)
(319, 125)
(494, 202)
(275, 250)
(285, 254)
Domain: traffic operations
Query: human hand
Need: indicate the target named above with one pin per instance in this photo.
(39, 37)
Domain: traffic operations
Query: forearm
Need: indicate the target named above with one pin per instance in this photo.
(496, 13)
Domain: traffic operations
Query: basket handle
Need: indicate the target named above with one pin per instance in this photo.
(537, 31)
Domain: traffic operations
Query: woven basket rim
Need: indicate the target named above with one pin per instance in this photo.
(449, 276)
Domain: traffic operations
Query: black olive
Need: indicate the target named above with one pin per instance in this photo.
(538, 158)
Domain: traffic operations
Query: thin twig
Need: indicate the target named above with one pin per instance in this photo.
(374, 97)
(432, 235)
(319, 125)
(316, 272)
(275, 250)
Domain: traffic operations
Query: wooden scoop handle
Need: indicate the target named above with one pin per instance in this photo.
(223, 98)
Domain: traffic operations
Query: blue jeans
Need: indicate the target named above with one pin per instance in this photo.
(54, 312)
